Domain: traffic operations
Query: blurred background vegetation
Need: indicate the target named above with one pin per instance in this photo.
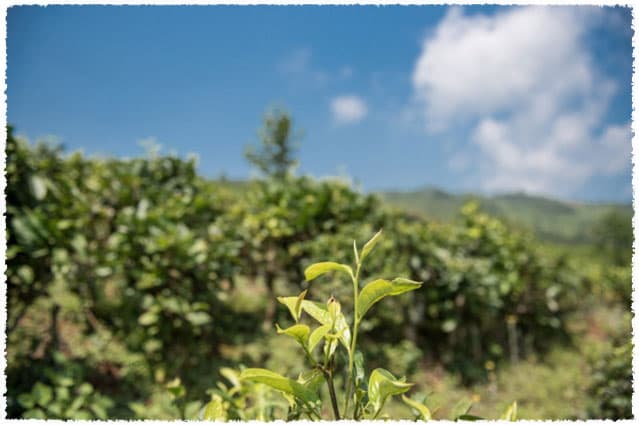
(123, 274)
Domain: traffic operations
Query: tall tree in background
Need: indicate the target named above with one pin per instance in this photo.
(274, 154)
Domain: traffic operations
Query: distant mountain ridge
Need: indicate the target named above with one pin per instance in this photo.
(549, 219)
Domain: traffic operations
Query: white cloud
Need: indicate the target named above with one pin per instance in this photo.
(348, 109)
(524, 84)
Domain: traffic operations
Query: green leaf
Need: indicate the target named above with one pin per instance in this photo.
(85, 388)
(368, 247)
(424, 412)
(311, 379)
(26, 400)
(334, 309)
(98, 410)
(381, 385)
(279, 383)
(34, 414)
(320, 313)
(42, 394)
(317, 311)
(214, 410)
(316, 336)
(231, 375)
(298, 304)
(318, 269)
(380, 288)
(294, 305)
(510, 414)
(298, 332)
(355, 251)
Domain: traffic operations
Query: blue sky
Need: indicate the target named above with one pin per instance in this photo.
(482, 99)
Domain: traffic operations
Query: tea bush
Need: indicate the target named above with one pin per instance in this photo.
(111, 261)
(611, 386)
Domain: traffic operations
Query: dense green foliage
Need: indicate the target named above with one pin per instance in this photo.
(124, 274)
(611, 387)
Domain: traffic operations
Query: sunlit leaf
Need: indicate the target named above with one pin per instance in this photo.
(298, 304)
(316, 336)
(320, 313)
(311, 379)
(318, 269)
(279, 382)
(231, 375)
(381, 385)
(214, 410)
(380, 288)
(368, 247)
(42, 394)
(424, 412)
(294, 304)
(510, 414)
(298, 332)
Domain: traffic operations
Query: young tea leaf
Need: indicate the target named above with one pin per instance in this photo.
(318, 269)
(298, 304)
(381, 385)
(317, 335)
(294, 305)
(298, 332)
(214, 410)
(311, 379)
(380, 288)
(368, 247)
(510, 414)
(280, 383)
(424, 412)
(320, 313)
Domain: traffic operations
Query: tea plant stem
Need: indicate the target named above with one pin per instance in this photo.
(351, 352)
(331, 389)
(328, 376)
(356, 412)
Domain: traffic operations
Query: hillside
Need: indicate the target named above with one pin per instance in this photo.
(550, 219)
